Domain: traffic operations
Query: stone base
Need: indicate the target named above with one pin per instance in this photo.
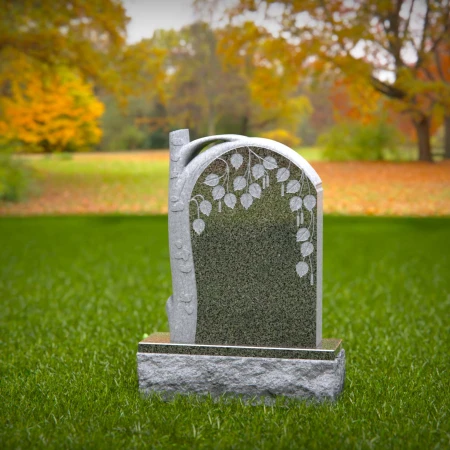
(256, 378)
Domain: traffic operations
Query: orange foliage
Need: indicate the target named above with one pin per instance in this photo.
(267, 66)
(352, 100)
(84, 34)
(50, 112)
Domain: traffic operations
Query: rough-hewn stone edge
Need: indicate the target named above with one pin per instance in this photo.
(253, 379)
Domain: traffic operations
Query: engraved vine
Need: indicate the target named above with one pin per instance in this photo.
(249, 188)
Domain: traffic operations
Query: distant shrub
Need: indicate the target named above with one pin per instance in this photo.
(355, 141)
(16, 179)
(283, 136)
(158, 139)
(131, 138)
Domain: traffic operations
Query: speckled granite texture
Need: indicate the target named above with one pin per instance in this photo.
(160, 343)
(248, 289)
(260, 378)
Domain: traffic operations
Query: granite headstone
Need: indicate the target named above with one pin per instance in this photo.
(245, 238)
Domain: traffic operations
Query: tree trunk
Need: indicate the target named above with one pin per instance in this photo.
(211, 119)
(423, 138)
(244, 128)
(447, 137)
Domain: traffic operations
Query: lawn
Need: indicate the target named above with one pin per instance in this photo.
(136, 183)
(77, 294)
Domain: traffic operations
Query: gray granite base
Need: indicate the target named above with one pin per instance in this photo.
(260, 379)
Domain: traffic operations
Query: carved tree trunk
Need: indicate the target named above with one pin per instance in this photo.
(423, 138)
(447, 137)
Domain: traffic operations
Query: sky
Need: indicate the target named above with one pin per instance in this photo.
(149, 15)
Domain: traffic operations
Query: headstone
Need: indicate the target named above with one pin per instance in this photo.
(245, 239)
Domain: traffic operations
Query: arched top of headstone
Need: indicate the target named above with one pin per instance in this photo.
(245, 235)
(187, 154)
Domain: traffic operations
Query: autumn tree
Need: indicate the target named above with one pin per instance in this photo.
(54, 111)
(386, 43)
(435, 78)
(85, 35)
(196, 80)
(50, 53)
(271, 100)
(201, 85)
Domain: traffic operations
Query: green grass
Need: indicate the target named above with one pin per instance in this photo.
(311, 153)
(106, 181)
(144, 175)
(77, 294)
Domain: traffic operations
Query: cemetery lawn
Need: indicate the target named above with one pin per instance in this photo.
(78, 293)
(136, 183)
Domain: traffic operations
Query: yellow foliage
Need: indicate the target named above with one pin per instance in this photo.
(267, 66)
(50, 111)
(283, 136)
(87, 35)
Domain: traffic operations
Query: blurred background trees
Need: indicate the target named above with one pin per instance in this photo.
(363, 79)
(53, 53)
(398, 48)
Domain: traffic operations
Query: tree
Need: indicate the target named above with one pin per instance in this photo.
(196, 80)
(199, 84)
(269, 97)
(50, 53)
(435, 75)
(82, 34)
(50, 111)
(386, 43)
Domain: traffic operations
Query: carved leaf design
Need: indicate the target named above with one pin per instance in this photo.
(176, 207)
(239, 183)
(306, 249)
(293, 186)
(282, 174)
(303, 234)
(218, 192)
(258, 171)
(186, 298)
(212, 179)
(230, 200)
(205, 207)
(270, 163)
(255, 190)
(198, 225)
(309, 201)
(302, 269)
(246, 200)
(185, 268)
(295, 203)
(236, 160)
